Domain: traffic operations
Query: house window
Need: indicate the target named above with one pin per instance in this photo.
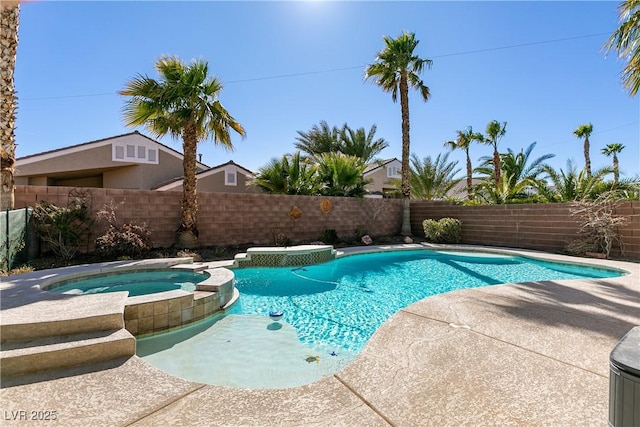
(230, 178)
(393, 171)
(137, 153)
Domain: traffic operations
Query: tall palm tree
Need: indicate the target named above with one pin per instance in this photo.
(9, 20)
(361, 144)
(395, 69)
(432, 179)
(184, 104)
(626, 41)
(584, 131)
(614, 149)
(320, 139)
(463, 142)
(494, 133)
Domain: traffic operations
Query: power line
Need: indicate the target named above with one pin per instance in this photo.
(333, 70)
(68, 96)
(521, 45)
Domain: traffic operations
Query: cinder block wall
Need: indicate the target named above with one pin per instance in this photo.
(546, 227)
(234, 219)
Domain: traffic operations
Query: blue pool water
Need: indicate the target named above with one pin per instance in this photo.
(137, 283)
(330, 311)
(342, 303)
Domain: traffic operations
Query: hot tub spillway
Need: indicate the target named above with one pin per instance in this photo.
(290, 256)
(164, 311)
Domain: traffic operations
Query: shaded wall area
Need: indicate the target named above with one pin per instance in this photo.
(546, 227)
(226, 219)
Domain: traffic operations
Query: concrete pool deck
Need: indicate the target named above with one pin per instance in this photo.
(516, 354)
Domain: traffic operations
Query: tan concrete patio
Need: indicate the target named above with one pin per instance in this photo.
(518, 354)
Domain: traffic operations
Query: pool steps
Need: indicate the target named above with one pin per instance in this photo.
(64, 332)
(103, 310)
(56, 352)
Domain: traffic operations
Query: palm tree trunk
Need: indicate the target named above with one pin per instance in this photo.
(469, 178)
(587, 159)
(187, 236)
(406, 183)
(496, 165)
(9, 20)
(616, 170)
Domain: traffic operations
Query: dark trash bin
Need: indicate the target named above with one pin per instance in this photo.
(624, 381)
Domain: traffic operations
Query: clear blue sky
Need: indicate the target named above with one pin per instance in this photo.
(288, 65)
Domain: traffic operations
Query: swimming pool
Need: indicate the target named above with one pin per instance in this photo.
(136, 283)
(330, 312)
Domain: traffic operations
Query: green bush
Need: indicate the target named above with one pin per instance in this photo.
(329, 237)
(446, 230)
(65, 230)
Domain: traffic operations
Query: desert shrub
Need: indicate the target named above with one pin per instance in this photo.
(598, 227)
(64, 230)
(18, 270)
(280, 239)
(189, 253)
(329, 236)
(126, 240)
(446, 230)
(122, 240)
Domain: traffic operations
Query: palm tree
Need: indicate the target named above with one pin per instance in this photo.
(519, 175)
(508, 190)
(341, 175)
(320, 139)
(517, 166)
(290, 175)
(10, 18)
(571, 185)
(464, 140)
(183, 103)
(361, 144)
(494, 132)
(432, 179)
(395, 70)
(614, 149)
(626, 41)
(584, 131)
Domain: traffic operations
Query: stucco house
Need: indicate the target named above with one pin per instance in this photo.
(381, 176)
(131, 161)
(128, 161)
(228, 177)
